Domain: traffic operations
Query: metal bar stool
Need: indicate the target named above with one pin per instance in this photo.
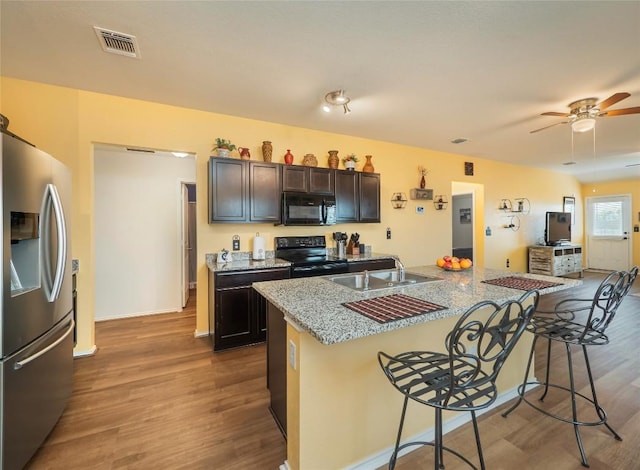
(563, 326)
(463, 378)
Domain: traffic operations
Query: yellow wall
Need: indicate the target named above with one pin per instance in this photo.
(616, 188)
(67, 122)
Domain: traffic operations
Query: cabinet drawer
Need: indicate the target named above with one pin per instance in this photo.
(246, 278)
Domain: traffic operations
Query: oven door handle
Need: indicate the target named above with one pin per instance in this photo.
(324, 211)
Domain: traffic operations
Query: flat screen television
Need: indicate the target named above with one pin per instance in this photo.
(558, 228)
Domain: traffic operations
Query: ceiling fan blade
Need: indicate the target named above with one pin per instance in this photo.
(547, 127)
(613, 99)
(620, 112)
(553, 113)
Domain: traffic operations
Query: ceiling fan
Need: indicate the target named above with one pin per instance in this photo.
(583, 112)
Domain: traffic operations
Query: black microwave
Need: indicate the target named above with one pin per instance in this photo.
(308, 209)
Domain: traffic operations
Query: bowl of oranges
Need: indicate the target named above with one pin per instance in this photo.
(453, 263)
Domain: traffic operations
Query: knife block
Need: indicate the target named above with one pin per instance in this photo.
(353, 249)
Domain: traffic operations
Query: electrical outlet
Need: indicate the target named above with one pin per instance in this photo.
(388, 233)
(292, 354)
(235, 242)
(507, 262)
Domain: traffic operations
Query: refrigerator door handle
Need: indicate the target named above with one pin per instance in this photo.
(33, 357)
(52, 198)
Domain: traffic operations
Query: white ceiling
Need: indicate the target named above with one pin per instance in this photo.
(418, 73)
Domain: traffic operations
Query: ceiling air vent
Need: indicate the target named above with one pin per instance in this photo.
(117, 43)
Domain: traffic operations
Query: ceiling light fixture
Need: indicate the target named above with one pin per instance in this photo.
(583, 124)
(336, 98)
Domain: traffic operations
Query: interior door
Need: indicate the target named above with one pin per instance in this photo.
(185, 244)
(608, 237)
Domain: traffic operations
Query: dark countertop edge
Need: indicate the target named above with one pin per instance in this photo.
(245, 263)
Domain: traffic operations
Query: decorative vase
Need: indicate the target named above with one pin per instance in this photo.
(222, 152)
(423, 183)
(350, 165)
(368, 166)
(333, 161)
(288, 158)
(310, 160)
(267, 150)
(244, 153)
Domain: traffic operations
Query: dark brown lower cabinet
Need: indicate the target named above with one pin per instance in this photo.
(239, 312)
(277, 366)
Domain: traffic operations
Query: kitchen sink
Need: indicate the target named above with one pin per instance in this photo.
(380, 280)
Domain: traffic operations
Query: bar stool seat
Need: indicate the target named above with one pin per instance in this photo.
(463, 378)
(563, 325)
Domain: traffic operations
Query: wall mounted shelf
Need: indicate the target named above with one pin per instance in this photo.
(422, 194)
(520, 205)
(440, 202)
(399, 200)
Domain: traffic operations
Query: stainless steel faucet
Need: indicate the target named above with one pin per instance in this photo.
(400, 268)
(366, 279)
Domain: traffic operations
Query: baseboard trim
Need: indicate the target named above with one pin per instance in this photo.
(136, 314)
(200, 334)
(382, 458)
(86, 353)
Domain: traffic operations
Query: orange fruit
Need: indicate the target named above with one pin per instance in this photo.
(465, 263)
(440, 262)
(455, 265)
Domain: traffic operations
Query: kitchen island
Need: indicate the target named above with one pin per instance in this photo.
(341, 411)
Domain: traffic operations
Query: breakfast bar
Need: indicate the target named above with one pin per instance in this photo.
(339, 411)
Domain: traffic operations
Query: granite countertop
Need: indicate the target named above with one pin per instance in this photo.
(315, 305)
(241, 261)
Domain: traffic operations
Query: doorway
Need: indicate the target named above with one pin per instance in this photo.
(137, 230)
(462, 226)
(188, 240)
(467, 221)
(608, 232)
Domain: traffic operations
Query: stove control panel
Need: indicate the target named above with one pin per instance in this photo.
(300, 242)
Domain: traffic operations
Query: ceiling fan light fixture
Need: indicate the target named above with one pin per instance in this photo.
(336, 98)
(583, 125)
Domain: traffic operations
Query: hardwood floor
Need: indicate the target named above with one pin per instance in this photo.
(155, 397)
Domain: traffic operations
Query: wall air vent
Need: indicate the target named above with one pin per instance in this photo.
(118, 43)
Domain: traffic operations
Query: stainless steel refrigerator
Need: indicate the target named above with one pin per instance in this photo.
(36, 327)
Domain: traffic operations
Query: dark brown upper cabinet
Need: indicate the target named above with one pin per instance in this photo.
(307, 179)
(347, 196)
(264, 192)
(369, 197)
(228, 190)
(244, 191)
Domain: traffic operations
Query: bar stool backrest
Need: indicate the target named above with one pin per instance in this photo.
(607, 299)
(478, 348)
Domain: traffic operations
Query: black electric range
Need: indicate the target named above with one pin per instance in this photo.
(308, 256)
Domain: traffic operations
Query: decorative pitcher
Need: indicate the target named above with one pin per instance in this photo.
(244, 153)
